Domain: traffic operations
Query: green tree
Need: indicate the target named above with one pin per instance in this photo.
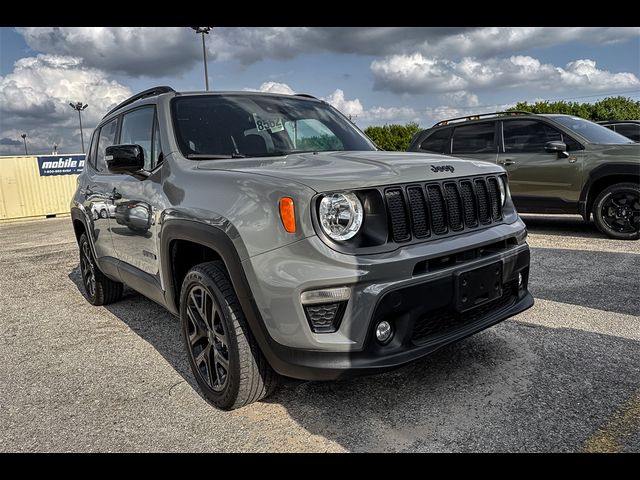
(610, 108)
(393, 137)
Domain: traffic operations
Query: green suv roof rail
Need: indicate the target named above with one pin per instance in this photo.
(476, 117)
(150, 92)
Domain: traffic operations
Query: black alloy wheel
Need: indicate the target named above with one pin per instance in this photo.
(207, 338)
(617, 211)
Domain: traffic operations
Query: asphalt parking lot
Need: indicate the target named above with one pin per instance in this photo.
(563, 376)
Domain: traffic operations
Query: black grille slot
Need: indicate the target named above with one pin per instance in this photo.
(484, 206)
(418, 209)
(398, 215)
(469, 202)
(494, 194)
(454, 205)
(438, 212)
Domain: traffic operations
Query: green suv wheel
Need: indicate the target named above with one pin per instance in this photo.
(616, 211)
(224, 357)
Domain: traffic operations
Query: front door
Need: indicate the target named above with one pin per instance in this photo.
(138, 197)
(540, 181)
(98, 191)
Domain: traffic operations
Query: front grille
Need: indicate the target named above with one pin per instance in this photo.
(435, 209)
(445, 321)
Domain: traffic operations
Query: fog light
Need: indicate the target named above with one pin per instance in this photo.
(383, 331)
(520, 280)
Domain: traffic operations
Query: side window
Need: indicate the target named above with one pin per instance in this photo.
(477, 138)
(157, 147)
(629, 130)
(528, 135)
(106, 138)
(572, 145)
(137, 127)
(437, 142)
(91, 154)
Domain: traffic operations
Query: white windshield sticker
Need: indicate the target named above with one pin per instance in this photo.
(274, 124)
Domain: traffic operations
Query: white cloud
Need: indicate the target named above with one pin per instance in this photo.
(275, 87)
(158, 51)
(347, 107)
(415, 73)
(35, 97)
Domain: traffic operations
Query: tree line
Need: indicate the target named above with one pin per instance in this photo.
(397, 137)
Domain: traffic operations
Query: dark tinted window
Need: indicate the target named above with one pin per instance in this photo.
(474, 138)
(437, 142)
(629, 130)
(528, 135)
(572, 145)
(137, 128)
(260, 125)
(91, 156)
(107, 138)
(610, 127)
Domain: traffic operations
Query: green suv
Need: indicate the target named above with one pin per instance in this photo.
(555, 163)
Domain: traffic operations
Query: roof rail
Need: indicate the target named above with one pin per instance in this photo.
(150, 92)
(305, 95)
(477, 117)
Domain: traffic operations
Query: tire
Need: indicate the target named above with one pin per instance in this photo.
(99, 289)
(103, 213)
(215, 331)
(616, 211)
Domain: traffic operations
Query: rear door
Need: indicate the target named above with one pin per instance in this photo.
(476, 141)
(540, 180)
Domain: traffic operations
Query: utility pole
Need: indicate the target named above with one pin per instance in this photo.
(79, 106)
(24, 139)
(204, 31)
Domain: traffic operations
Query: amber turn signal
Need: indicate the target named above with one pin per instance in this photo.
(288, 214)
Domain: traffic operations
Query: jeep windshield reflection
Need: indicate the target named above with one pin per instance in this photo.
(237, 126)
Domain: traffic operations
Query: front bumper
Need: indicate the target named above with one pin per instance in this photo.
(406, 287)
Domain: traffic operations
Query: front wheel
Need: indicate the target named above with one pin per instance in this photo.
(616, 211)
(224, 357)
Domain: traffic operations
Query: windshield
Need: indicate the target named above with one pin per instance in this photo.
(216, 126)
(592, 131)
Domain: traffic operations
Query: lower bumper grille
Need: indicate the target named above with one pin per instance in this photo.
(445, 321)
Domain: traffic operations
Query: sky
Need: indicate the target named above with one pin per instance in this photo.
(376, 75)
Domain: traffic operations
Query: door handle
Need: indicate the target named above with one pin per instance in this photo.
(115, 195)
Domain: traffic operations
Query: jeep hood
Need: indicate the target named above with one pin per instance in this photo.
(326, 171)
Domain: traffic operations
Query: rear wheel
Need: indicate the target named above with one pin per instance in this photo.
(616, 211)
(100, 290)
(224, 357)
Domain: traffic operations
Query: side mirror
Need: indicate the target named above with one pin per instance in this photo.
(124, 158)
(559, 147)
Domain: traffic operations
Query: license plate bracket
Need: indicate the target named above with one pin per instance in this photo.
(478, 286)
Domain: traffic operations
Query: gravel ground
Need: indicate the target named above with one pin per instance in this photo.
(563, 376)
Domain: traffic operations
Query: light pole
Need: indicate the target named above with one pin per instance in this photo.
(24, 139)
(203, 31)
(79, 106)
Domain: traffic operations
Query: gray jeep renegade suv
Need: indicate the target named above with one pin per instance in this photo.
(287, 243)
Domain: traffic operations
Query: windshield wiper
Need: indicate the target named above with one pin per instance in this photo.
(206, 156)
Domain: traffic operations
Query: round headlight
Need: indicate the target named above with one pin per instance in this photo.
(502, 185)
(341, 215)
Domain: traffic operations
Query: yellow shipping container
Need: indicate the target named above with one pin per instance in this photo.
(24, 192)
